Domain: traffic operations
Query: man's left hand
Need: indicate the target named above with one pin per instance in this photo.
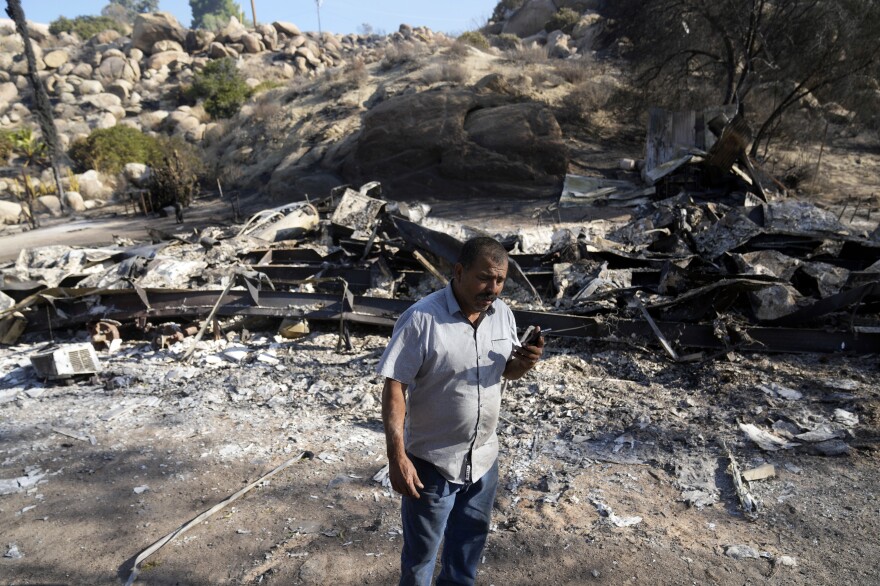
(523, 359)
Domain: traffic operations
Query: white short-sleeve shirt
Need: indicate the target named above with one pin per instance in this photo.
(453, 376)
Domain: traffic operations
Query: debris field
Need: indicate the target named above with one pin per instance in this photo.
(706, 412)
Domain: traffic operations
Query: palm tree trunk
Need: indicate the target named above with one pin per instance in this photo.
(41, 98)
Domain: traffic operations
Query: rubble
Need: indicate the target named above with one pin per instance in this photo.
(655, 377)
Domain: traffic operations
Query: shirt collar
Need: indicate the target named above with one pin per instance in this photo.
(452, 303)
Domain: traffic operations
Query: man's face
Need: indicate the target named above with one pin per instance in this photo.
(477, 287)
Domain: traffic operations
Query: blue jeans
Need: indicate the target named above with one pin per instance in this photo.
(457, 514)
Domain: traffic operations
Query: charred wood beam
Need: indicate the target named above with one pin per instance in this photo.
(123, 305)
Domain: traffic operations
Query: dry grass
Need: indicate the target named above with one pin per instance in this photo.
(527, 55)
(341, 81)
(405, 55)
(583, 102)
(575, 71)
(452, 72)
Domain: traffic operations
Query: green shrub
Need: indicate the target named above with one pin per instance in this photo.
(85, 27)
(222, 88)
(267, 85)
(474, 39)
(564, 20)
(6, 145)
(108, 150)
(175, 174)
(503, 7)
(506, 42)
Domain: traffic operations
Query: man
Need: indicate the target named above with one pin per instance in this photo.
(444, 368)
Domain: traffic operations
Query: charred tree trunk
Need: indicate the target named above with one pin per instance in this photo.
(41, 98)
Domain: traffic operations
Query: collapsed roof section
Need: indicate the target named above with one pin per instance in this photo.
(709, 269)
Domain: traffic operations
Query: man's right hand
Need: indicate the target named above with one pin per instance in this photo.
(404, 478)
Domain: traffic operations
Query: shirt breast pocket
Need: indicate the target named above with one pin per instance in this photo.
(499, 354)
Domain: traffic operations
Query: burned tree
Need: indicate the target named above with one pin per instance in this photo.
(734, 52)
(41, 98)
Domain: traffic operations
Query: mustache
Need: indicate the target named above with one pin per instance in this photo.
(487, 297)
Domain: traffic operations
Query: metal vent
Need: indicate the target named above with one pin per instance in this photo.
(66, 361)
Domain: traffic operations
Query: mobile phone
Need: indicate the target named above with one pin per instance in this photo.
(531, 335)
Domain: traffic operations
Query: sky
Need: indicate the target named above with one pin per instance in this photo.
(338, 16)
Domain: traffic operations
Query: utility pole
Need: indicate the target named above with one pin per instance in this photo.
(254, 12)
(318, 6)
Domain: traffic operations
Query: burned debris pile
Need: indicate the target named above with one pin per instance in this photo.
(715, 259)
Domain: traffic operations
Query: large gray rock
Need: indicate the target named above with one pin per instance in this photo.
(137, 174)
(74, 201)
(251, 43)
(91, 186)
(104, 101)
(198, 40)
(287, 28)
(8, 92)
(116, 67)
(459, 142)
(232, 32)
(530, 18)
(50, 204)
(55, 59)
(166, 58)
(166, 45)
(152, 28)
(10, 212)
(89, 87)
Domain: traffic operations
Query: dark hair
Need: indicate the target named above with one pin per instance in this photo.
(479, 247)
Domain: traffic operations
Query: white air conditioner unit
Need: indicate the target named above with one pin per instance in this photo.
(66, 361)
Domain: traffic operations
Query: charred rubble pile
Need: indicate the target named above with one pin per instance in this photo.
(716, 259)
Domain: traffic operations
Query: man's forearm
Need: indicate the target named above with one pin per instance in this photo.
(393, 415)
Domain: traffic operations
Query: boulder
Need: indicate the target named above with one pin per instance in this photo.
(120, 88)
(166, 45)
(90, 185)
(10, 212)
(152, 119)
(55, 59)
(8, 92)
(232, 32)
(152, 28)
(287, 28)
(557, 45)
(270, 36)
(218, 51)
(459, 142)
(106, 37)
(49, 203)
(89, 87)
(74, 201)
(530, 18)
(137, 174)
(251, 43)
(166, 58)
(104, 101)
(198, 40)
(116, 67)
(82, 70)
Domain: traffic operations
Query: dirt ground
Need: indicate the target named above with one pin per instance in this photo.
(604, 447)
(593, 426)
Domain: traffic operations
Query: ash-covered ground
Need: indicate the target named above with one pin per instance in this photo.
(615, 467)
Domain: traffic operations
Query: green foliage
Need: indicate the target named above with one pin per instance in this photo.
(85, 27)
(222, 88)
(6, 145)
(212, 14)
(507, 42)
(474, 39)
(27, 146)
(109, 150)
(564, 20)
(265, 86)
(504, 8)
(175, 175)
